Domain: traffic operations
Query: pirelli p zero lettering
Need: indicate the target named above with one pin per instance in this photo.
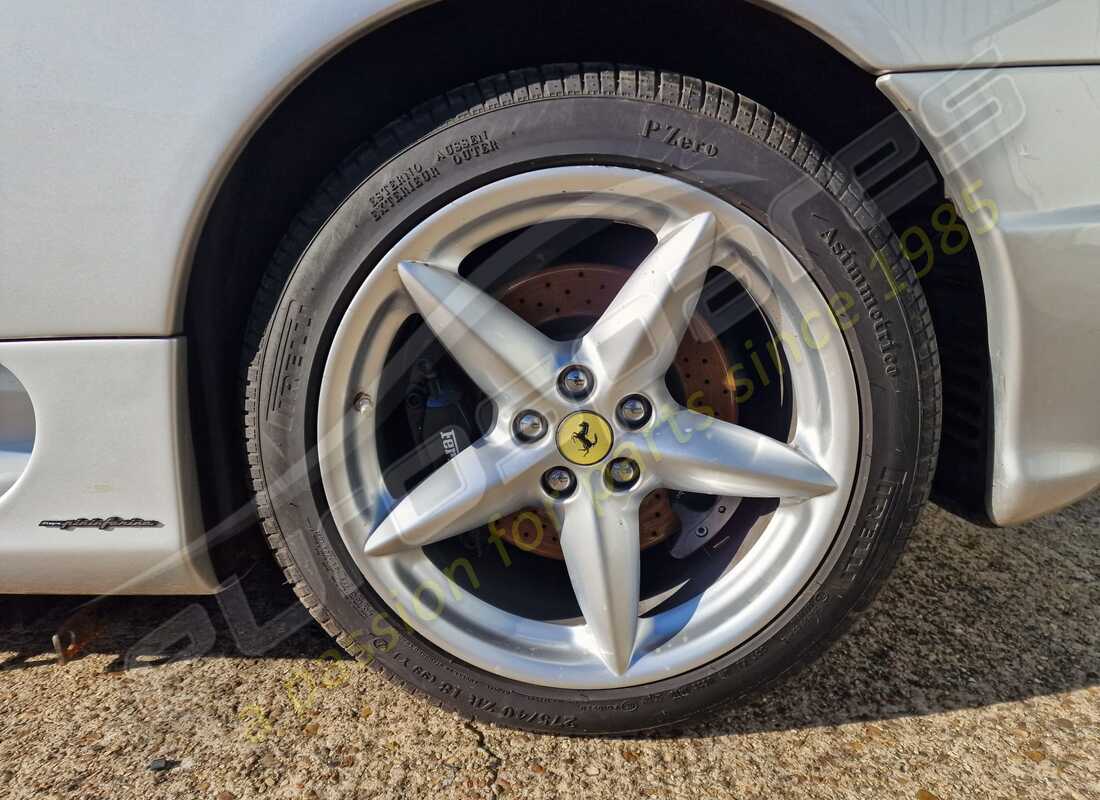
(675, 137)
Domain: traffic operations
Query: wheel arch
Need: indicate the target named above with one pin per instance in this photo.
(320, 113)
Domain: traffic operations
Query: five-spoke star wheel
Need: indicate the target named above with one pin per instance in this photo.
(529, 376)
(584, 428)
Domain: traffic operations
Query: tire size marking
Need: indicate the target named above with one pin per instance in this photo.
(479, 703)
(675, 137)
(522, 715)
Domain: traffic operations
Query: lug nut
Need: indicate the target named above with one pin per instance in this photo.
(363, 403)
(558, 481)
(575, 382)
(634, 411)
(529, 426)
(623, 473)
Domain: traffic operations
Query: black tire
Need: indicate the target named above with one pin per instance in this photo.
(566, 114)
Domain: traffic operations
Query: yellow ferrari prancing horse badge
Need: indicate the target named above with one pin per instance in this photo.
(585, 438)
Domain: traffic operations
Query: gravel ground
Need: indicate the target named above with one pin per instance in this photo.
(976, 674)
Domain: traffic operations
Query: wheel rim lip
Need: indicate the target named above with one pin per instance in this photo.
(759, 585)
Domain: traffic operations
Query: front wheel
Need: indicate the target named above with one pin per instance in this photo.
(580, 402)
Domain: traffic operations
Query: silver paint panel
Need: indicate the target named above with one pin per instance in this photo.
(906, 35)
(119, 127)
(112, 439)
(1038, 160)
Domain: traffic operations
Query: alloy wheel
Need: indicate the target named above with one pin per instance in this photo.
(586, 428)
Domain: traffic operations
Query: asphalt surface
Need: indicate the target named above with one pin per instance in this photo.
(975, 674)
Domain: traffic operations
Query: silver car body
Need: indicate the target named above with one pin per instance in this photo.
(118, 129)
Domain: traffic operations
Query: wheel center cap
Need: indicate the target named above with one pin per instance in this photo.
(584, 437)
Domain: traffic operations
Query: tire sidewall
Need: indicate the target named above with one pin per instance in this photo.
(731, 163)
